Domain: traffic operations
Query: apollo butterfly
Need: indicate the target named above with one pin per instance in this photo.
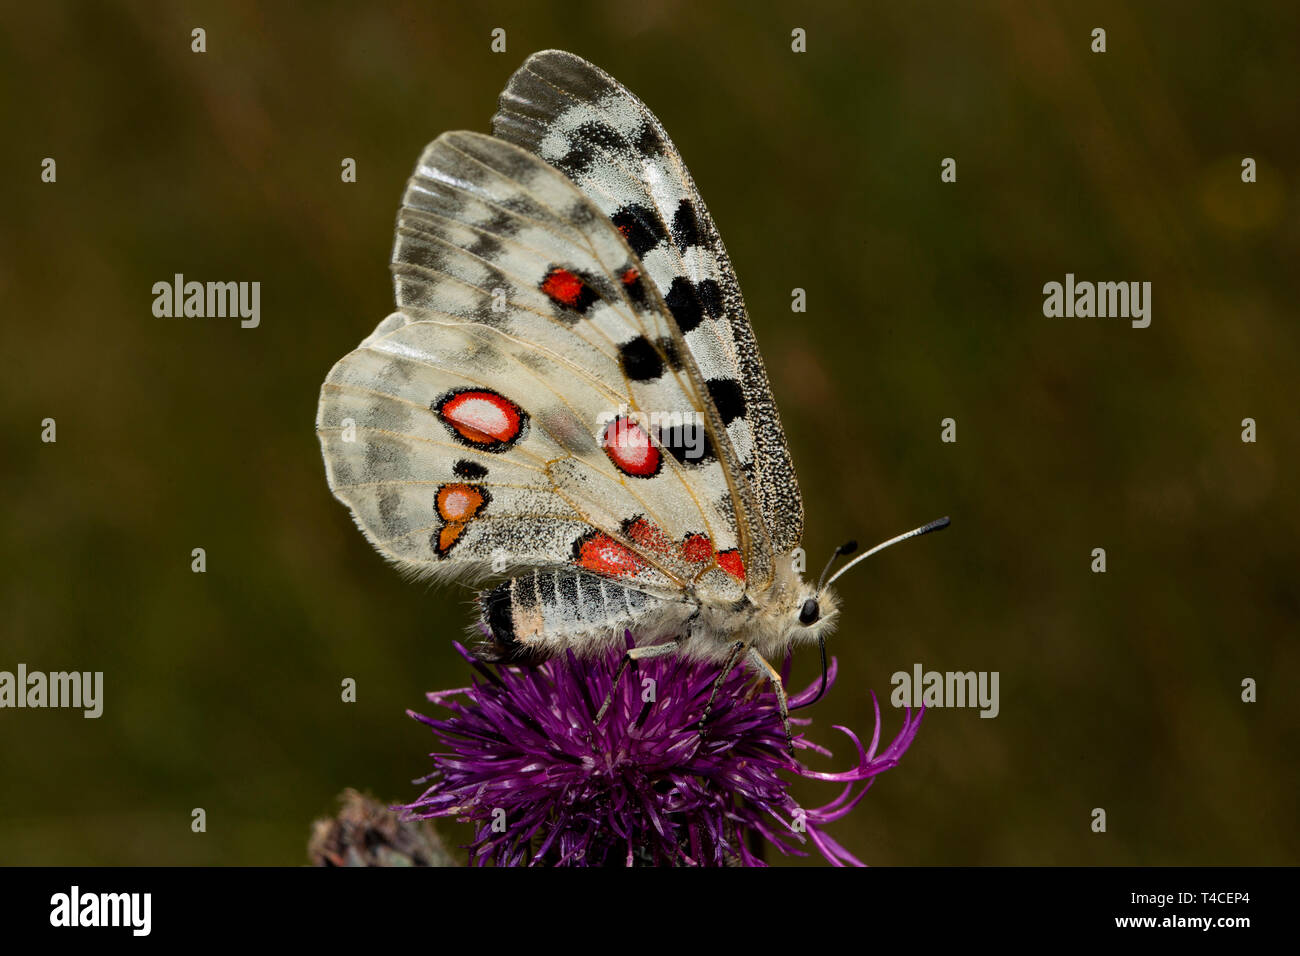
(569, 392)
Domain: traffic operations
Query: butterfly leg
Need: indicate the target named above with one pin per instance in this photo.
(736, 650)
(761, 665)
(647, 653)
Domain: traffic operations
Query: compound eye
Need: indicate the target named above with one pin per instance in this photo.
(810, 612)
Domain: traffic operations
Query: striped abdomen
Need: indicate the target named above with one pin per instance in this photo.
(542, 612)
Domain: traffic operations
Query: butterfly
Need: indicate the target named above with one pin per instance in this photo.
(569, 397)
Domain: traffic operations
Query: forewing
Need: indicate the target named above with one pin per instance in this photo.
(585, 123)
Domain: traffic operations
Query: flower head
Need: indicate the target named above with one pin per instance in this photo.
(546, 784)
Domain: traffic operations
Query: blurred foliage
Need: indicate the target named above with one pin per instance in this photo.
(1119, 690)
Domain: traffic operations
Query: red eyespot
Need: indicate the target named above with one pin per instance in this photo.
(630, 449)
(483, 418)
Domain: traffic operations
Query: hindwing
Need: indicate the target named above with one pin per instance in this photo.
(505, 417)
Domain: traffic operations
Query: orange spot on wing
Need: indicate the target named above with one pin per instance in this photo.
(448, 535)
(459, 502)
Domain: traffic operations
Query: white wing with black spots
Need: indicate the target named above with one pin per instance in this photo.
(589, 126)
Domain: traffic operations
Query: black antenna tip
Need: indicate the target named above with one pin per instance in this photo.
(848, 547)
(936, 525)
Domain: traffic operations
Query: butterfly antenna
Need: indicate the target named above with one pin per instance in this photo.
(848, 547)
(938, 525)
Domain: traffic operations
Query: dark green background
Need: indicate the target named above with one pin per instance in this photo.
(1119, 690)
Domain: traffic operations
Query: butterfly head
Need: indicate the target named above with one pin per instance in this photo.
(817, 606)
(798, 612)
(813, 613)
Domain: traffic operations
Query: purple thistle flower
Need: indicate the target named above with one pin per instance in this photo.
(547, 785)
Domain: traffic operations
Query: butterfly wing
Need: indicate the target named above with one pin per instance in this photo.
(500, 418)
(586, 124)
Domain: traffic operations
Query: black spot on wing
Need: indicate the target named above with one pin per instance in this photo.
(686, 228)
(584, 144)
(728, 398)
(710, 296)
(691, 303)
(639, 226)
(640, 360)
(469, 469)
(648, 141)
(684, 304)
